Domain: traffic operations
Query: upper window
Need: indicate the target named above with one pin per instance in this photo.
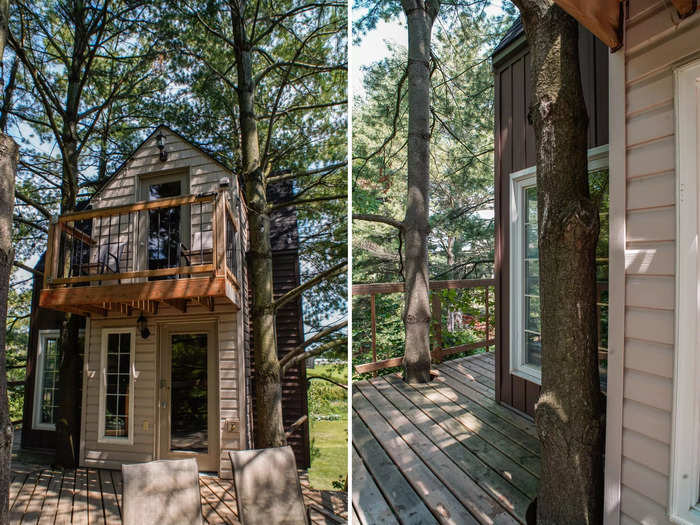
(116, 392)
(46, 381)
(525, 323)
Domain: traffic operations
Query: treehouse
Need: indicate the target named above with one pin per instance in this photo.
(156, 264)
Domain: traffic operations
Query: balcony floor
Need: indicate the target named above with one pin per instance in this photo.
(443, 452)
(145, 296)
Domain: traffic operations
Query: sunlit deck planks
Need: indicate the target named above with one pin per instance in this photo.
(445, 452)
(41, 495)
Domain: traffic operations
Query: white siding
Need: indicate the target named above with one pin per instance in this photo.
(653, 46)
(145, 388)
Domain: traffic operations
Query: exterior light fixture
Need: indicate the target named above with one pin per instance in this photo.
(142, 325)
(160, 142)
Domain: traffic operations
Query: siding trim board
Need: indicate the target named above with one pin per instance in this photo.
(684, 481)
(616, 289)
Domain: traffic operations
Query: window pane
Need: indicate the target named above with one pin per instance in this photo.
(533, 349)
(529, 265)
(117, 387)
(49, 382)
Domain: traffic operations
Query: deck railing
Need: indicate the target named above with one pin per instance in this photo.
(165, 238)
(484, 325)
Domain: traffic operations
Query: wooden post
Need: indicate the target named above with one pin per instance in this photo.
(437, 324)
(486, 302)
(53, 251)
(220, 234)
(373, 310)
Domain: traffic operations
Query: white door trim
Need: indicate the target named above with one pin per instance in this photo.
(684, 479)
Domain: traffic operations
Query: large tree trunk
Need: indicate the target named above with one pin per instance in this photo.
(9, 153)
(70, 377)
(269, 428)
(416, 362)
(568, 412)
(8, 164)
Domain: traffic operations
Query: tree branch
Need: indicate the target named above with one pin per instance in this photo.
(34, 204)
(303, 356)
(371, 217)
(300, 349)
(295, 292)
(297, 202)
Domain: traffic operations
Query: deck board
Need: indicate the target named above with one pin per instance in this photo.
(42, 494)
(449, 441)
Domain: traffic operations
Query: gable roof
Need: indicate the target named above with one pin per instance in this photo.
(196, 146)
(511, 35)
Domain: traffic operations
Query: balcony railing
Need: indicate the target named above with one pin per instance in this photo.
(169, 238)
(474, 312)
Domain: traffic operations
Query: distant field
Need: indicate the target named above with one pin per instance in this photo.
(328, 407)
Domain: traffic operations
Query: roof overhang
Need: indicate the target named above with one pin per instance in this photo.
(604, 18)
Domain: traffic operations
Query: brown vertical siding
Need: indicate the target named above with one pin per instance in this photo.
(514, 141)
(285, 272)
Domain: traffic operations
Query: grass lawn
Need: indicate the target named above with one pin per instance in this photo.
(328, 405)
(329, 460)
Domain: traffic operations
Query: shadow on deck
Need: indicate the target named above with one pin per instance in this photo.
(41, 494)
(443, 452)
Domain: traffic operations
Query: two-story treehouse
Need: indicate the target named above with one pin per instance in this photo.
(157, 265)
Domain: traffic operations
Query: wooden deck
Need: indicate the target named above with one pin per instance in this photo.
(41, 495)
(443, 452)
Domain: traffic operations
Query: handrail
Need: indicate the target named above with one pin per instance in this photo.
(168, 202)
(439, 352)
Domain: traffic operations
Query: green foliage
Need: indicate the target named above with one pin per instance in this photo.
(326, 400)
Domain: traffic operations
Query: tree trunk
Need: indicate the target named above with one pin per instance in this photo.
(269, 428)
(9, 153)
(568, 412)
(416, 362)
(8, 165)
(70, 371)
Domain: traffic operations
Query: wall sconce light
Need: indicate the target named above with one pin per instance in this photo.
(142, 325)
(160, 142)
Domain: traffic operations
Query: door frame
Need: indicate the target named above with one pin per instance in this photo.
(684, 475)
(205, 462)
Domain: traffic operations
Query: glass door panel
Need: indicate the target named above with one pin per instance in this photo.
(164, 226)
(189, 393)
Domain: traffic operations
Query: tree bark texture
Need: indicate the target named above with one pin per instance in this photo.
(416, 316)
(268, 423)
(9, 153)
(568, 412)
(70, 371)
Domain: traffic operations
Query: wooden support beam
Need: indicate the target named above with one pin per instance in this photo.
(154, 291)
(178, 304)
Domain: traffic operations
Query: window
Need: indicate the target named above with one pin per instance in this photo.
(525, 325)
(46, 381)
(116, 398)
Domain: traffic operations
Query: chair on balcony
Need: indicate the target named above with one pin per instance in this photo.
(164, 492)
(268, 491)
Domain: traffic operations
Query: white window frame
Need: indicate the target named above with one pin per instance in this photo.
(39, 380)
(519, 181)
(684, 479)
(129, 440)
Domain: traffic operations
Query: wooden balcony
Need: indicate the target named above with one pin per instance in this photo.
(176, 251)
